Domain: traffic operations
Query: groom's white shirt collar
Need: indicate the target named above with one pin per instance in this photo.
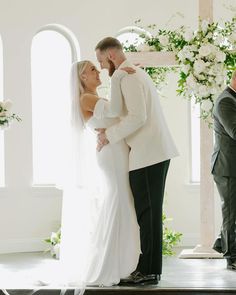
(232, 88)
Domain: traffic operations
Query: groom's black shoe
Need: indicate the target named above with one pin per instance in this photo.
(137, 278)
(128, 279)
(231, 264)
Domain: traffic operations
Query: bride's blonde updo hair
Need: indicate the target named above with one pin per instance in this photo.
(80, 67)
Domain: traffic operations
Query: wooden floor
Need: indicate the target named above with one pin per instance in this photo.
(180, 276)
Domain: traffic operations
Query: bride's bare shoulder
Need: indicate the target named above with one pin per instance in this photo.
(88, 101)
(87, 97)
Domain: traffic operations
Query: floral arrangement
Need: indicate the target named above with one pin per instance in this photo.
(54, 241)
(5, 114)
(206, 59)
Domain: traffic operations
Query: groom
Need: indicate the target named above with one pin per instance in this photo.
(151, 147)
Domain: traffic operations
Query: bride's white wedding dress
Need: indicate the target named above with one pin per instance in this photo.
(104, 251)
(110, 251)
(115, 246)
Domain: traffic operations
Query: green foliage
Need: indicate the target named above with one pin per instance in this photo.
(170, 238)
(129, 48)
(54, 239)
(6, 117)
(159, 75)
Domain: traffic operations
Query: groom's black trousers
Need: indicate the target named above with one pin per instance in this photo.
(148, 185)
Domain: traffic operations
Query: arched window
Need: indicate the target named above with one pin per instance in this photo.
(2, 162)
(131, 35)
(53, 50)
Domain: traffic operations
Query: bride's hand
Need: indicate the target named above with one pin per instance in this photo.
(101, 138)
(129, 70)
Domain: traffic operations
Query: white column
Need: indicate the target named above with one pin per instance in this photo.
(207, 219)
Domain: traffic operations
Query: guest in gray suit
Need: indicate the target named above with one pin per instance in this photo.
(224, 169)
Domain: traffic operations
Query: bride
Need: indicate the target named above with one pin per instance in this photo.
(103, 254)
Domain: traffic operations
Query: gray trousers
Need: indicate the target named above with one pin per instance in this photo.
(226, 242)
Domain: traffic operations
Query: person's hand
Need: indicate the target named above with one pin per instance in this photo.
(101, 139)
(129, 70)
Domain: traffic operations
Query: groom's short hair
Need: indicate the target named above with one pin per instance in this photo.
(108, 42)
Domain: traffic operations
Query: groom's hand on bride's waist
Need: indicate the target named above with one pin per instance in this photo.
(101, 138)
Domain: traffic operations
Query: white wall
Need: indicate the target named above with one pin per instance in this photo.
(28, 215)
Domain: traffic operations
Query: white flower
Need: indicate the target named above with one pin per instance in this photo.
(187, 53)
(219, 40)
(200, 77)
(220, 56)
(193, 48)
(210, 79)
(203, 91)
(54, 238)
(164, 40)
(214, 48)
(219, 79)
(216, 68)
(205, 50)
(206, 105)
(199, 66)
(232, 38)
(186, 69)
(213, 90)
(181, 55)
(191, 81)
(144, 47)
(188, 35)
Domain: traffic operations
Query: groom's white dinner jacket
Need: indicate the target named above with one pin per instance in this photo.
(142, 123)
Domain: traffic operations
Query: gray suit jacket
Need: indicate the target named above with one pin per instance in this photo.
(223, 161)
